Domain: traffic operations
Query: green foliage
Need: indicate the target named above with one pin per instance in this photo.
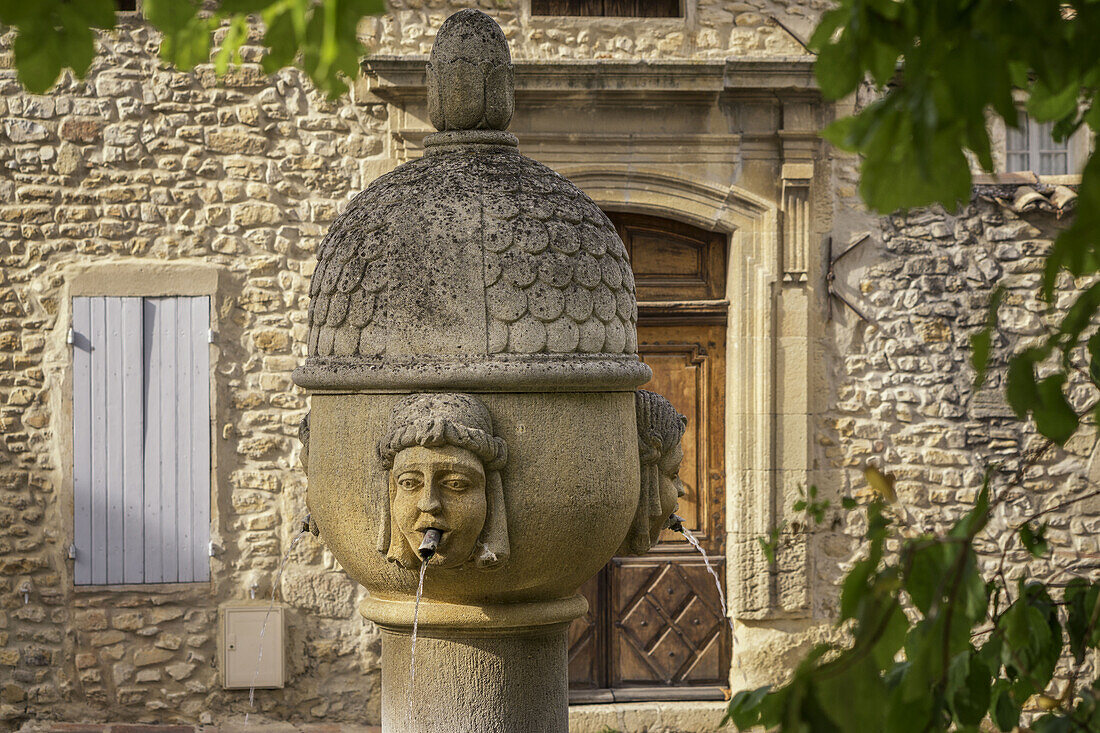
(317, 37)
(933, 645)
(53, 35)
(941, 69)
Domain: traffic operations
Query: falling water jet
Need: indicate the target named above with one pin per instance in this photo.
(710, 569)
(427, 550)
(676, 523)
(303, 527)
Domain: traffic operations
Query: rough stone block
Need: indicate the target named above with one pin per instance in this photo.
(91, 620)
(105, 638)
(146, 657)
(25, 131)
(235, 141)
(128, 621)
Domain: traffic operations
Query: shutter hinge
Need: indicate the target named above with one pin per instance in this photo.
(72, 552)
(70, 337)
(210, 336)
(211, 549)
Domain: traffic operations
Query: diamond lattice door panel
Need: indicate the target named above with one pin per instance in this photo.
(670, 629)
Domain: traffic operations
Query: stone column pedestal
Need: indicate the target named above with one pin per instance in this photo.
(478, 669)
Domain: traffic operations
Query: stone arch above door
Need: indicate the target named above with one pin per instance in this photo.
(767, 415)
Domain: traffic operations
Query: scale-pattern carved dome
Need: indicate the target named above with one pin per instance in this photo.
(556, 275)
(473, 267)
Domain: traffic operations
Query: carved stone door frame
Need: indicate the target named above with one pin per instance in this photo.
(768, 409)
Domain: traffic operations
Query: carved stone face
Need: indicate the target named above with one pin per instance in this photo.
(441, 488)
(671, 487)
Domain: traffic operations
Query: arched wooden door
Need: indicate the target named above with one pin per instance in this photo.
(655, 629)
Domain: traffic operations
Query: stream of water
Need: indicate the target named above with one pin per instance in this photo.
(721, 595)
(412, 645)
(263, 627)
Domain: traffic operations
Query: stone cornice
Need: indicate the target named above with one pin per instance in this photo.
(399, 79)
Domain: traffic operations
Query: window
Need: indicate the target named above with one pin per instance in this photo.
(609, 8)
(126, 6)
(141, 440)
(1031, 147)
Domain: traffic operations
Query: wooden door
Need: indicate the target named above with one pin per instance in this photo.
(655, 627)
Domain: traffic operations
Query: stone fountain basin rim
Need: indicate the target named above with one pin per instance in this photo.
(504, 373)
(391, 613)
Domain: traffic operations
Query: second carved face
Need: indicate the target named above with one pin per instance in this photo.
(439, 488)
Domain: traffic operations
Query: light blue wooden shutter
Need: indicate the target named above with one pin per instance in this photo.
(177, 442)
(107, 444)
(141, 440)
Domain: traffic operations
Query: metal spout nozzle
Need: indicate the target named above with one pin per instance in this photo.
(675, 523)
(309, 525)
(431, 541)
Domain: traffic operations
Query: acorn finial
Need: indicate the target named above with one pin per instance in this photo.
(471, 82)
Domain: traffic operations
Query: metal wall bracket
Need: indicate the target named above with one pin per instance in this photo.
(830, 279)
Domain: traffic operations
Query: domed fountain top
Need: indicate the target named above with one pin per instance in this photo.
(474, 267)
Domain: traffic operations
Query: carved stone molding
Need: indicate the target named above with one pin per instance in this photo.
(796, 220)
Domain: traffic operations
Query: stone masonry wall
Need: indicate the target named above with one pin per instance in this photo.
(140, 162)
(711, 29)
(903, 395)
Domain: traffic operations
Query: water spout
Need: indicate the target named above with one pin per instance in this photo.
(675, 523)
(429, 544)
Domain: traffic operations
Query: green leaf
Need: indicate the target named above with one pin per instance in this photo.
(38, 57)
(981, 342)
(1054, 417)
(77, 39)
(1004, 710)
(95, 13)
(1034, 540)
(859, 680)
(186, 41)
(1033, 639)
(838, 69)
(744, 708)
(1021, 390)
(827, 27)
(1094, 358)
(854, 588)
(230, 50)
(892, 637)
(1081, 601)
(928, 570)
(968, 688)
(1052, 723)
(1045, 104)
(285, 28)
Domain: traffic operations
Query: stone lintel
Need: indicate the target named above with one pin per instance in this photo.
(142, 277)
(404, 78)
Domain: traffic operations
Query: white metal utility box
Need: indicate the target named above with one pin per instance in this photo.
(240, 633)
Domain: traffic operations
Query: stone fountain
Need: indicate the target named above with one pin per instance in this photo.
(473, 371)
